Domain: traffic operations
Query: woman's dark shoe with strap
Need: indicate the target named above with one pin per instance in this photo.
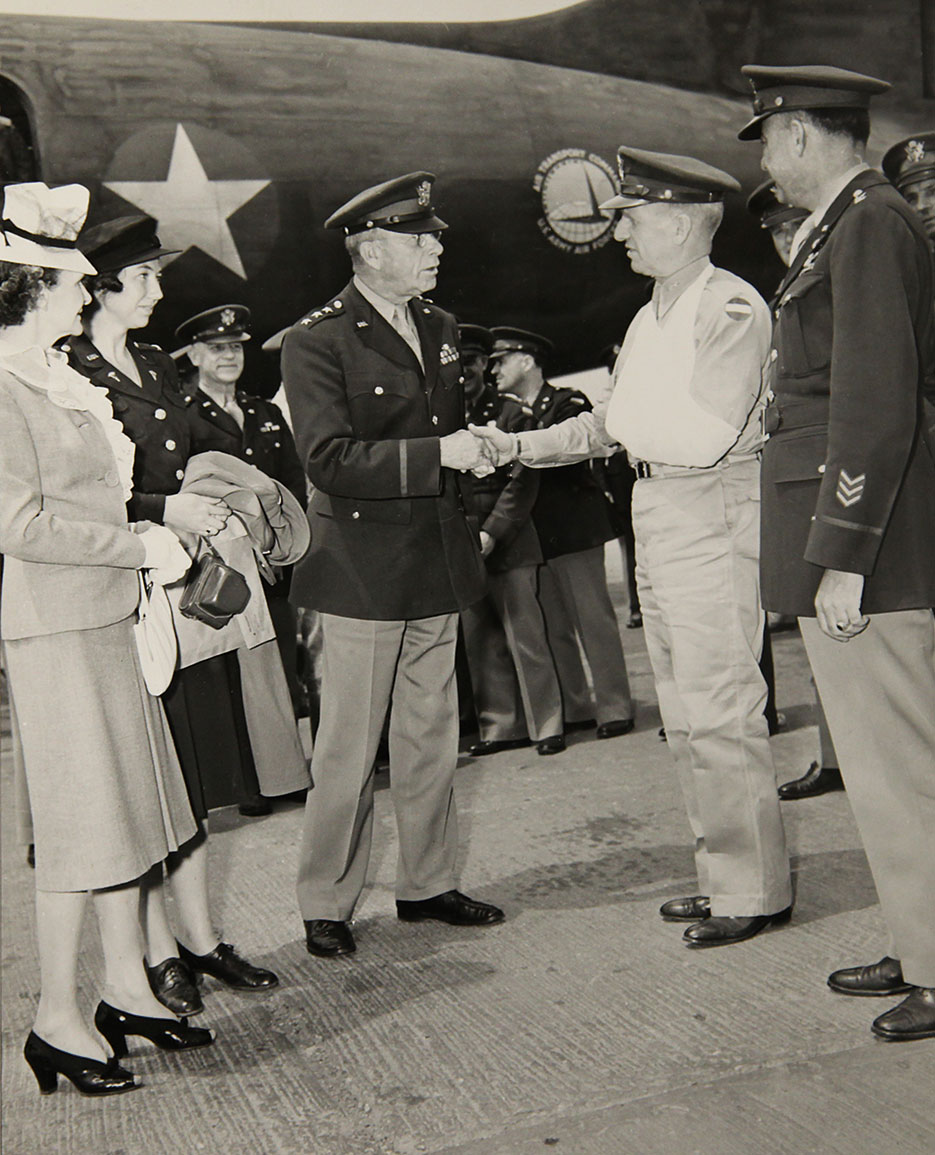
(167, 1034)
(692, 909)
(90, 1076)
(174, 986)
(914, 1018)
(878, 979)
(226, 965)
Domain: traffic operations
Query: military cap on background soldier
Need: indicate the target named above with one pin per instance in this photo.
(910, 165)
(780, 219)
(481, 403)
(508, 339)
(221, 323)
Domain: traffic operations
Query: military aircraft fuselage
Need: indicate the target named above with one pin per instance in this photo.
(241, 141)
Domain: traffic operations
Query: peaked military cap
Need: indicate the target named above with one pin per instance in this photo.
(222, 323)
(911, 160)
(121, 242)
(647, 177)
(509, 340)
(475, 339)
(807, 87)
(770, 210)
(402, 205)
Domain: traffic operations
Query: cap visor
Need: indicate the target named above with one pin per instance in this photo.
(432, 224)
(622, 202)
(751, 130)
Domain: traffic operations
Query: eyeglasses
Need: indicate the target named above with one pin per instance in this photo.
(416, 239)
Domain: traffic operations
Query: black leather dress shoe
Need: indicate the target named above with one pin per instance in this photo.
(692, 909)
(174, 986)
(881, 978)
(816, 780)
(451, 907)
(494, 746)
(615, 729)
(553, 745)
(256, 806)
(722, 931)
(583, 724)
(226, 965)
(914, 1018)
(327, 938)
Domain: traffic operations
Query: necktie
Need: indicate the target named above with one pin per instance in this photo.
(404, 327)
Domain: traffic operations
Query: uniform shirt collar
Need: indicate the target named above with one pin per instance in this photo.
(667, 292)
(385, 308)
(832, 192)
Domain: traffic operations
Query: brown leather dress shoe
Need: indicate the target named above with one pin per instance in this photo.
(816, 780)
(881, 978)
(226, 965)
(615, 728)
(174, 986)
(723, 931)
(553, 745)
(692, 909)
(914, 1018)
(327, 938)
(451, 907)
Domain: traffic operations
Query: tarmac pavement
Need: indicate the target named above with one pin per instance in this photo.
(581, 1025)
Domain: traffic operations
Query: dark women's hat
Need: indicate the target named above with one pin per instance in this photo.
(124, 241)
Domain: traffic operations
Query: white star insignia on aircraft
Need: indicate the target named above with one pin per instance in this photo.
(191, 210)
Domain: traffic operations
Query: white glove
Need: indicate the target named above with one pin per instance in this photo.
(165, 558)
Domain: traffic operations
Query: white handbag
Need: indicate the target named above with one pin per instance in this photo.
(155, 637)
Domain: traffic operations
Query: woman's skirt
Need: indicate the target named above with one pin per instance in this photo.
(106, 792)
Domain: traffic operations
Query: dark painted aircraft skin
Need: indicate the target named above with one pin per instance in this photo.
(242, 140)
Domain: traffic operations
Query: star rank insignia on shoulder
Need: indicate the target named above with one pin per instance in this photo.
(334, 309)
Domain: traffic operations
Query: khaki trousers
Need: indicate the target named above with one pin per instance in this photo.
(878, 692)
(366, 666)
(697, 548)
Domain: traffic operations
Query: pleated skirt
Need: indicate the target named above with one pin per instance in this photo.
(106, 792)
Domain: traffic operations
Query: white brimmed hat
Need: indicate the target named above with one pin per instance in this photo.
(40, 226)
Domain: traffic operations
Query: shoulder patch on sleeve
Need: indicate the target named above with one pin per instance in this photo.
(737, 308)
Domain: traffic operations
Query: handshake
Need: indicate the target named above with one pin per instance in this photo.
(479, 448)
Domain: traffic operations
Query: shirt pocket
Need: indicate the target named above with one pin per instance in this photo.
(804, 331)
(378, 403)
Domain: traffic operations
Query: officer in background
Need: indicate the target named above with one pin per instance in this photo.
(374, 385)
(687, 405)
(572, 517)
(910, 166)
(782, 221)
(232, 420)
(515, 686)
(849, 495)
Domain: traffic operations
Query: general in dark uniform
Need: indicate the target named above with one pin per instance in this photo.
(373, 380)
(849, 495)
(573, 520)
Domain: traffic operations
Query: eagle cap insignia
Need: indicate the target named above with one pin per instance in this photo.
(915, 151)
(228, 317)
(424, 193)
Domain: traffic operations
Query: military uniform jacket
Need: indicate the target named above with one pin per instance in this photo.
(157, 418)
(571, 512)
(847, 482)
(266, 441)
(503, 501)
(390, 535)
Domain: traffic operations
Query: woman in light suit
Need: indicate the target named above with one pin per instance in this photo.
(107, 796)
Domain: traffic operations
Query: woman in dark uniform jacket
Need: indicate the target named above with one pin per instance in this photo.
(231, 420)
(204, 703)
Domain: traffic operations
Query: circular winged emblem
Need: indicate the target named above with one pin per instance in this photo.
(572, 183)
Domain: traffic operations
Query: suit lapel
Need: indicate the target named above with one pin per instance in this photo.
(429, 326)
(375, 332)
(853, 192)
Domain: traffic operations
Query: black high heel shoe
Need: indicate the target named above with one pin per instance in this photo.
(90, 1076)
(168, 1034)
